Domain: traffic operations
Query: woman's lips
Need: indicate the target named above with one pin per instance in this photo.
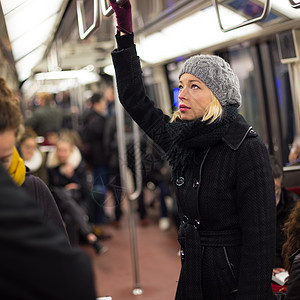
(183, 108)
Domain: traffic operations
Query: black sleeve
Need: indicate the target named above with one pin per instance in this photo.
(45, 201)
(125, 41)
(133, 96)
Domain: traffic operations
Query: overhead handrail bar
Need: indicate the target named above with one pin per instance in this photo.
(107, 9)
(265, 13)
(83, 32)
(294, 4)
(97, 18)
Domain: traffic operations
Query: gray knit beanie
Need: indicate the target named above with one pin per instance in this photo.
(217, 75)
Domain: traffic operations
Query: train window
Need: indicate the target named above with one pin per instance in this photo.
(175, 97)
(242, 63)
(285, 102)
(251, 11)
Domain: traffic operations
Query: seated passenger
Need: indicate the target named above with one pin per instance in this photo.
(285, 202)
(33, 157)
(67, 181)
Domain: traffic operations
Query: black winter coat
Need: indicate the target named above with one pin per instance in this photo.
(92, 136)
(226, 201)
(57, 179)
(36, 260)
(44, 199)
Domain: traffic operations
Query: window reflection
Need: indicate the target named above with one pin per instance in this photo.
(242, 64)
(285, 101)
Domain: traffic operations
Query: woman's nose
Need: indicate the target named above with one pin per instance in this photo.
(182, 94)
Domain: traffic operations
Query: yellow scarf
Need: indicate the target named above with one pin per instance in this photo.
(17, 168)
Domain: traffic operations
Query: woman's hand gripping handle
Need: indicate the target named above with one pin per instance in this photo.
(123, 16)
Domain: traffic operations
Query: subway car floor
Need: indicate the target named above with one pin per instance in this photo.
(158, 260)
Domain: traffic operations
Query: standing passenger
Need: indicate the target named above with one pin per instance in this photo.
(221, 172)
(95, 156)
(46, 116)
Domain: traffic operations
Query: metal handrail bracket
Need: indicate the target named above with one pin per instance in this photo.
(294, 4)
(265, 13)
(83, 33)
(107, 9)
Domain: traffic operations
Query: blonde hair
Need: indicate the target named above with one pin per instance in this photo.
(47, 97)
(212, 112)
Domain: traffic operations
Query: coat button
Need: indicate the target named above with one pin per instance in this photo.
(196, 224)
(185, 219)
(195, 183)
(180, 181)
(182, 254)
(251, 131)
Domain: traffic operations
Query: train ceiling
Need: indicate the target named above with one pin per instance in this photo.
(44, 34)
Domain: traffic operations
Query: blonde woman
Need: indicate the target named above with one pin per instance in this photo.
(221, 173)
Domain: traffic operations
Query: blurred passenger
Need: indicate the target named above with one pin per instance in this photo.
(294, 155)
(95, 156)
(10, 128)
(109, 96)
(33, 157)
(110, 143)
(220, 169)
(291, 253)
(285, 202)
(50, 137)
(36, 260)
(46, 116)
(161, 177)
(67, 181)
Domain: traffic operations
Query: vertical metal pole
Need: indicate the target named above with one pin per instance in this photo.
(133, 197)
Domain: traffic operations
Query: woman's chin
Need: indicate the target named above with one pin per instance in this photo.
(187, 117)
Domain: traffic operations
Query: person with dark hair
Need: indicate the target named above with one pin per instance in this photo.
(94, 153)
(291, 253)
(220, 169)
(285, 201)
(46, 116)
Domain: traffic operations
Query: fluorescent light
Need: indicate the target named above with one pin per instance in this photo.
(37, 36)
(109, 70)
(193, 33)
(28, 16)
(82, 76)
(29, 25)
(25, 65)
(9, 5)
